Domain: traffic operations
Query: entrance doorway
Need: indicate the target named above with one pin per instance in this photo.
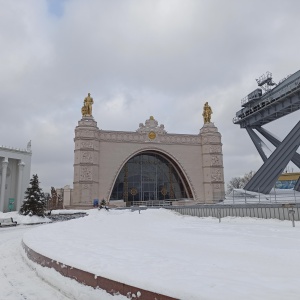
(149, 176)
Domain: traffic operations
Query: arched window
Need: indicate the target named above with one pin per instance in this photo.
(150, 176)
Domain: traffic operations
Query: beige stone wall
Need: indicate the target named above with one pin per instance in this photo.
(100, 156)
(114, 155)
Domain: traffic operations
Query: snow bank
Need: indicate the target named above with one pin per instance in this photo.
(24, 219)
(180, 256)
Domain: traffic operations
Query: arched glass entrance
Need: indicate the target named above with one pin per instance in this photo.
(150, 176)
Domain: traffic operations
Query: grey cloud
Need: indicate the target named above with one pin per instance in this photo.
(137, 58)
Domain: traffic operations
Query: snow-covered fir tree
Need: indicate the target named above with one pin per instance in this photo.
(34, 203)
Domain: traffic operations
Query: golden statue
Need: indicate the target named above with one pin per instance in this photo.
(86, 109)
(207, 112)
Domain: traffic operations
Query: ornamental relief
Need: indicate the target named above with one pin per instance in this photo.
(87, 133)
(215, 161)
(216, 175)
(208, 130)
(217, 186)
(210, 139)
(214, 139)
(87, 157)
(87, 145)
(149, 136)
(215, 149)
(151, 125)
(86, 173)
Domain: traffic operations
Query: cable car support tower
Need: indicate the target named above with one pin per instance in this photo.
(258, 109)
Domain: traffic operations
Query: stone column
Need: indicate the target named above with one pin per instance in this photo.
(3, 183)
(86, 163)
(212, 161)
(67, 196)
(20, 182)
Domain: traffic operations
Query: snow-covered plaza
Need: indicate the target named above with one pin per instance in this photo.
(157, 250)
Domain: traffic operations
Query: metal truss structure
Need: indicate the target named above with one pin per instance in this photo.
(260, 109)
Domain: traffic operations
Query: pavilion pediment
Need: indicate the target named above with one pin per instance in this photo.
(151, 125)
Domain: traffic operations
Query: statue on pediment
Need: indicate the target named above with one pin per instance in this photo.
(86, 109)
(207, 112)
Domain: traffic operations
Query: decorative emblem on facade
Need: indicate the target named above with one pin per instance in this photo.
(151, 125)
(87, 145)
(214, 139)
(152, 135)
(210, 139)
(215, 161)
(205, 140)
(87, 157)
(214, 149)
(216, 175)
(87, 133)
(86, 173)
(217, 186)
(133, 191)
(164, 191)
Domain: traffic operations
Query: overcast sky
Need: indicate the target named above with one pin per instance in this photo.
(138, 58)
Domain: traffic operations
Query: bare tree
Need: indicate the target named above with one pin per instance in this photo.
(239, 182)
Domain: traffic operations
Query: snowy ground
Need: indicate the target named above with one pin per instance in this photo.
(21, 279)
(180, 256)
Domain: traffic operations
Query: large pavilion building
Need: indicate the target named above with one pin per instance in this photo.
(146, 165)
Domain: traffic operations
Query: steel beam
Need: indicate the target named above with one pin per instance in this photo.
(257, 143)
(265, 178)
(272, 139)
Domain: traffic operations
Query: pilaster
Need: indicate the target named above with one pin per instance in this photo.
(3, 183)
(212, 162)
(67, 196)
(20, 182)
(86, 157)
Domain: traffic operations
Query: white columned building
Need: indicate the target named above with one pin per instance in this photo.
(14, 176)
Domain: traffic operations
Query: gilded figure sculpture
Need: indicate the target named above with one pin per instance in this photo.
(86, 109)
(207, 112)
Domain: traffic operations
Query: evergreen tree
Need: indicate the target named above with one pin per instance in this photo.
(34, 203)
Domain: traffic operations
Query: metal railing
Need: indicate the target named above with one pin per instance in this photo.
(161, 203)
(264, 211)
(276, 196)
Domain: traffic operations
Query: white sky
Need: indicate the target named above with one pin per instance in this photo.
(181, 256)
(164, 58)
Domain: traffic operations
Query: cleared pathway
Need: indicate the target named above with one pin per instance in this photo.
(17, 280)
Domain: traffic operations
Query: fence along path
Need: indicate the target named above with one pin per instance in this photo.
(256, 210)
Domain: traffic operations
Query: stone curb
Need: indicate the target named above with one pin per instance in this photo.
(110, 286)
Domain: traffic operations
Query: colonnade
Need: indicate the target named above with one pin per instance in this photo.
(18, 200)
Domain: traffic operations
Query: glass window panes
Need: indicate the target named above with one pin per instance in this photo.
(148, 176)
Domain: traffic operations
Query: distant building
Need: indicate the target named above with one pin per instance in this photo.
(146, 165)
(14, 176)
(287, 181)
